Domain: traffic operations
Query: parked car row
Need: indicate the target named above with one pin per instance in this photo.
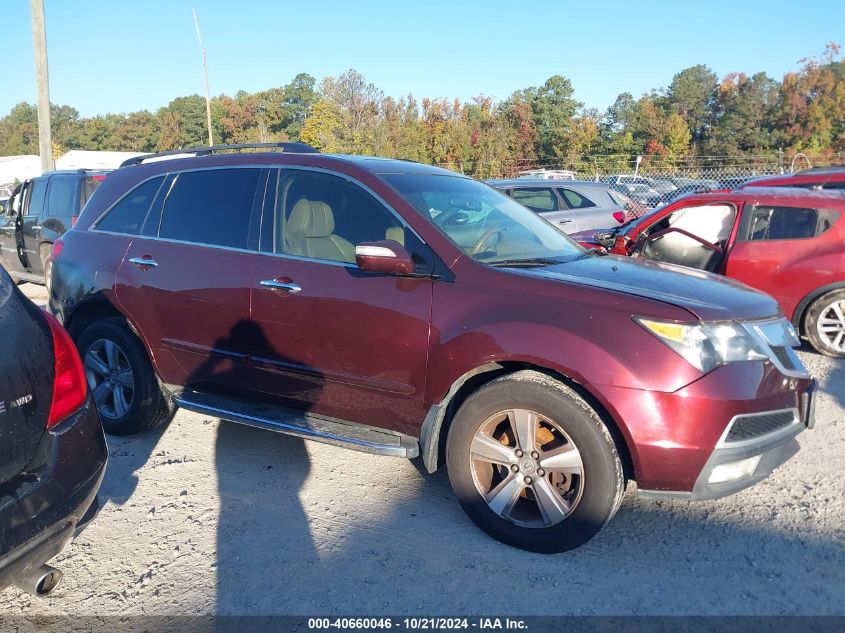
(405, 310)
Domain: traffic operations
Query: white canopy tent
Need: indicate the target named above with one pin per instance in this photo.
(19, 168)
(84, 159)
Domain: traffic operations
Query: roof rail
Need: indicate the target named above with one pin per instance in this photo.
(830, 169)
(298, 148)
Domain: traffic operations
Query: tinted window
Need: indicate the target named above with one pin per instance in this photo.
(324, 217)
(127, 216)
(61, 197)
(37, 194)
(834, 185)
(576, 200)
(789, 223)
(89, 185)
(536, 199)
(210, 207)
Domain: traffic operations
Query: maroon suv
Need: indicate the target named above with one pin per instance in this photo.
(405, 310)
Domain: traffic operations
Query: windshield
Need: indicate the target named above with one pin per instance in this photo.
(487, 225)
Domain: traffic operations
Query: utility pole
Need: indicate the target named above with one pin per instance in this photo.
(205, 78)
(39, 41)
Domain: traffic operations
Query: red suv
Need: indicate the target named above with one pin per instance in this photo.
(401, 309)
(788, 242)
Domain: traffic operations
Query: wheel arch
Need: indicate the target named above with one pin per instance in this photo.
(800, 312)
(435, 428)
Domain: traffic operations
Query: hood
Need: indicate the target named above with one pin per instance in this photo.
(708, 296)
(588, 236)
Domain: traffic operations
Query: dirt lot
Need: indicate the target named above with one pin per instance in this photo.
(210, 517)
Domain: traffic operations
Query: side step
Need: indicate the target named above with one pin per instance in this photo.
(308, 426)
(31, 278)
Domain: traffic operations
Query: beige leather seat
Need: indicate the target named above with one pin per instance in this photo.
(310, 233)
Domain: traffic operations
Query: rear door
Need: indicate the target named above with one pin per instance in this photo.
(336, 340)
(584, 214)
(26, 379)
(786, 251)
(62, 203)
(185, 280)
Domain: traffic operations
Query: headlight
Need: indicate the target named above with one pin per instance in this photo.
(707, 345)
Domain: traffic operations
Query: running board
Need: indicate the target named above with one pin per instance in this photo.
(30, 277)
(308, 426)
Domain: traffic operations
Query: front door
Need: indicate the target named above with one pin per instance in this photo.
(186, 282)
(335, 340)
(33, 213)
(696, 236)
(11, 242)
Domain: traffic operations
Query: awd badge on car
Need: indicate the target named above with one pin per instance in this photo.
(14, 404)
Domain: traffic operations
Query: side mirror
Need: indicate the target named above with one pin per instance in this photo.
(384, 256)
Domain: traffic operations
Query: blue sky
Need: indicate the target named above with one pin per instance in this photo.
(125, 55)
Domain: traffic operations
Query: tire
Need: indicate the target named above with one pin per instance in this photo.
(128, 402)
(562, 421)
(824, 324)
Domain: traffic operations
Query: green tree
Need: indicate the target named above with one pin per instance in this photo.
(690, 95)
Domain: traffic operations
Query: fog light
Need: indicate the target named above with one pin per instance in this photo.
(734, 471)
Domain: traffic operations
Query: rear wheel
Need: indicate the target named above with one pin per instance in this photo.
(824, 324)
(121, 378)
(532, 464)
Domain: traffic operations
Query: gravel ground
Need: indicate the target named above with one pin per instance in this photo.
(210, 517)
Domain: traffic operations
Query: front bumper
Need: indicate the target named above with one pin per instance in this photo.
(674, 437)
(740, 463)
(41, 509)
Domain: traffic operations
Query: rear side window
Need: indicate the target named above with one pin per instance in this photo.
(127, 216)
(210, 207)
(536, 199)
(789, 223)
(576, 200)
(61, 197)
(89, 185)
(37, 196)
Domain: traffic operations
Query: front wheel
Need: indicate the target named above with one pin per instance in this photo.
(532, 464)
(121, 379)
(824, 324)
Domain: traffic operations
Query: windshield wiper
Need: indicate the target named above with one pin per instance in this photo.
(590, 252)
(528, 262)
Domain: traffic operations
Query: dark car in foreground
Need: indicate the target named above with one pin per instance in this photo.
(787, 242)
(573, 205)
(405, 310)
(52, 448)
(39, 212)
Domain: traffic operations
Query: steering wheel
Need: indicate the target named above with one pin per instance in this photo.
(485, 237)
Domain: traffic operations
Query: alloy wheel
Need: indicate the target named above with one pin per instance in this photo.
(110, 378)
(526, 468)
(831, 325)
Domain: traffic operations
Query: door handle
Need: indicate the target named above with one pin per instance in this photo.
(564, 221)
(143, 261)
(36, 227)
(287, 286)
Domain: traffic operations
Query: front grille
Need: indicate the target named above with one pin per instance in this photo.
(750, 426)
(783, 356)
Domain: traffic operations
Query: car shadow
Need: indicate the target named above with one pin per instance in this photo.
(395, 541)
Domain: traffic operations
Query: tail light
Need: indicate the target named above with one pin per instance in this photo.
(69, 385)
(619, 216)
(56, 250)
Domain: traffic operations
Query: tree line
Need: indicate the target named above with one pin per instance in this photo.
(698, 116)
